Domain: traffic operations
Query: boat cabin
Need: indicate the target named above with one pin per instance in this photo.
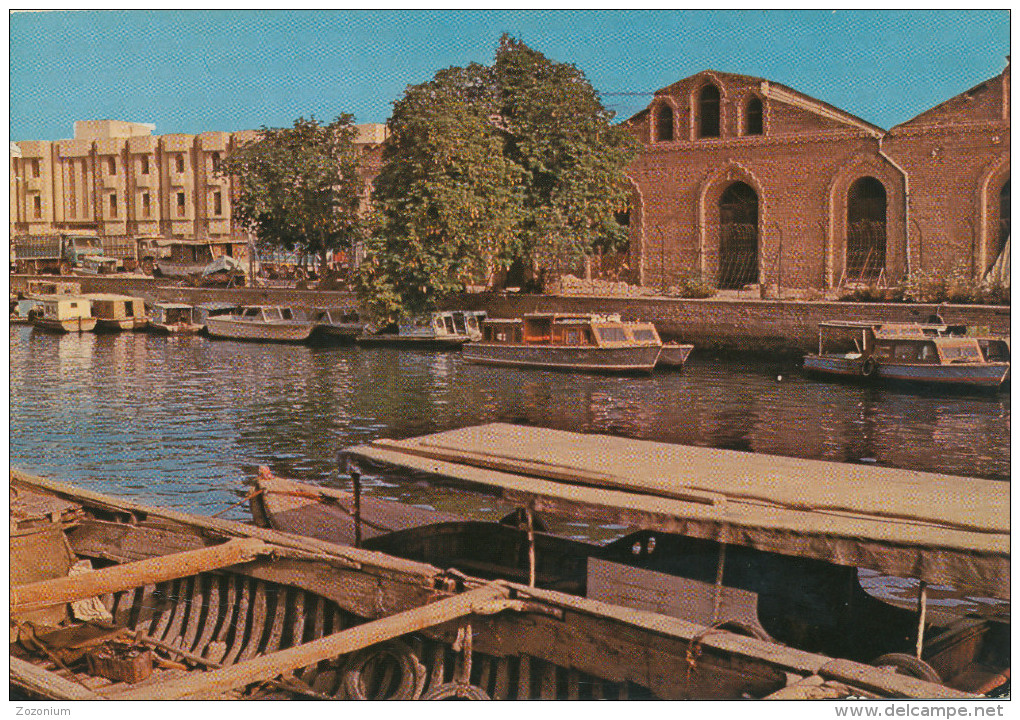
(64, 307)
(561, 329)
(108, 306)
(204, 311)
(50, 287)
(173, 313)
(266, 314)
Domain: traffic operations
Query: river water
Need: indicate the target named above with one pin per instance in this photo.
(184, 422)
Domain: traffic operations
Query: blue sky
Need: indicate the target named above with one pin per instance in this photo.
(192, 71)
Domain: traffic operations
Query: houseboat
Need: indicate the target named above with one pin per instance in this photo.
(904, 352)
(62, 314)
(116, 600)
(441, 330)
(174, 319)
(265, 323)
(340, 325)
(770, 547)
(563, 341)
(114, 313)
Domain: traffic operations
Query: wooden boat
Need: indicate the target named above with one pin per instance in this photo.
(903, 352)
(63, 314)
(266, 323)
(445, 330)
(562, 341)
(114, 313)
(222, 610)
(340, 325)
(673, 355)
(766, 544)
(174, 319)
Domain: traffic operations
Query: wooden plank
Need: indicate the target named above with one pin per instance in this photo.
(131, 575)
(886, 683)
(346, 641)
(42, 683)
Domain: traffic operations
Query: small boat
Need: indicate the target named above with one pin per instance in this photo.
(267, 323)
(114, 313)
(115, 600)
(174, 319)
(673, 355)
(63, 314)
(206, 310)
(442, 330)
(565, 341)
(768, 546)
(904, 352)
(340, 325)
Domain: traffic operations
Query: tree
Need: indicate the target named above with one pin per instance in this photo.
(446, 199)
(299, 188)
(488, 164)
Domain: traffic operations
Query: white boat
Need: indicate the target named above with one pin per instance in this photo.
(267, 323)
(63, 314)
(442, 330)
(336, 324)
(174, 319)
(903, 352)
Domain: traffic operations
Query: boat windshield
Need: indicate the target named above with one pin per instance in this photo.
(252, 313)
(612, 333)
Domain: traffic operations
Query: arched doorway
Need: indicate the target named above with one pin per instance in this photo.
(865, 230)
(738, 236)
(1004, 227)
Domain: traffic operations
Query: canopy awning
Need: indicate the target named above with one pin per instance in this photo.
(937, 528)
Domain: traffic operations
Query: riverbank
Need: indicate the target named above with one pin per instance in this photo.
(728, 324)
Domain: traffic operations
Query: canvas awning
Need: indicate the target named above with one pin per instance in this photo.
(937, 528)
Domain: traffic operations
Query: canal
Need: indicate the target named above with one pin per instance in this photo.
(185, 422)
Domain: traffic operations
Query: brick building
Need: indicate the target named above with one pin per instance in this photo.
(746, 181)
(118, 179)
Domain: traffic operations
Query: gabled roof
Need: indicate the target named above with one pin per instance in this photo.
(779, 93)
(958, 105)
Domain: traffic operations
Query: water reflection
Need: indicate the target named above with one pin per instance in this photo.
(185, 421)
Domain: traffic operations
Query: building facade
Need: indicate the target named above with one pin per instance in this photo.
(117, 179)
(743, 181)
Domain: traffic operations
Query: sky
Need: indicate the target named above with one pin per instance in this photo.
(191, 71)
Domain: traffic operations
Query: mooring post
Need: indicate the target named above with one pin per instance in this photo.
(531, 547)
(356, 480)
(717, 600)
(922, 606)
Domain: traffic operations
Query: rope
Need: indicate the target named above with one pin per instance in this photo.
(249, 496)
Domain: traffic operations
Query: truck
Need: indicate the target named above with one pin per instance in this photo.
(134, 254)
(62, 254)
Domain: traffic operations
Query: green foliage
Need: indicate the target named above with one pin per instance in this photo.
(692, 285)
(299, 188)
(488, 164)
(956, 286)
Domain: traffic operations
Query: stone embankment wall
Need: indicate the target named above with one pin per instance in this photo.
(715, 324)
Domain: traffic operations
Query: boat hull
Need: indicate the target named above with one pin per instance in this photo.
(175, 328)
(673, 356)
(233, 329)
(423, 342)
(580, 359)
(127, 324)
(973, 375)
(71, 325)
(834, 365)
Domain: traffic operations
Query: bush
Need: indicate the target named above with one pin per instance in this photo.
(692, 285)
(956, 286)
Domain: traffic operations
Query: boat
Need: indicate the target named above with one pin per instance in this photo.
(340, 325)
(771, 546)
(135, 602)
(63, 314)
(114, 313)
(673, 355)
(174, 319)
(567, 341)
(203, 311)
(266, 323)
(441, 330)
(903, 352)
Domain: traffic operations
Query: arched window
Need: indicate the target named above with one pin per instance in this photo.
(708, 112)
(865, 230)
(753, 124)
(664, 124)
(1004, 228)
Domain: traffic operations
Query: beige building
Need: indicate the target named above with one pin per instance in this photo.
(118, 179)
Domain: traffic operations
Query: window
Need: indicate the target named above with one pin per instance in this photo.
(753, 117)
(37, 207)
(179, 160)
(35, 167)
(216, 162)
(644, 335)
(217, 203)
(129, 309)
(664, 123)
(708, 107)
(111, 165)
(146, 205)
(612, 334)
(145, 164)
(180, 204)
(113, 205)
